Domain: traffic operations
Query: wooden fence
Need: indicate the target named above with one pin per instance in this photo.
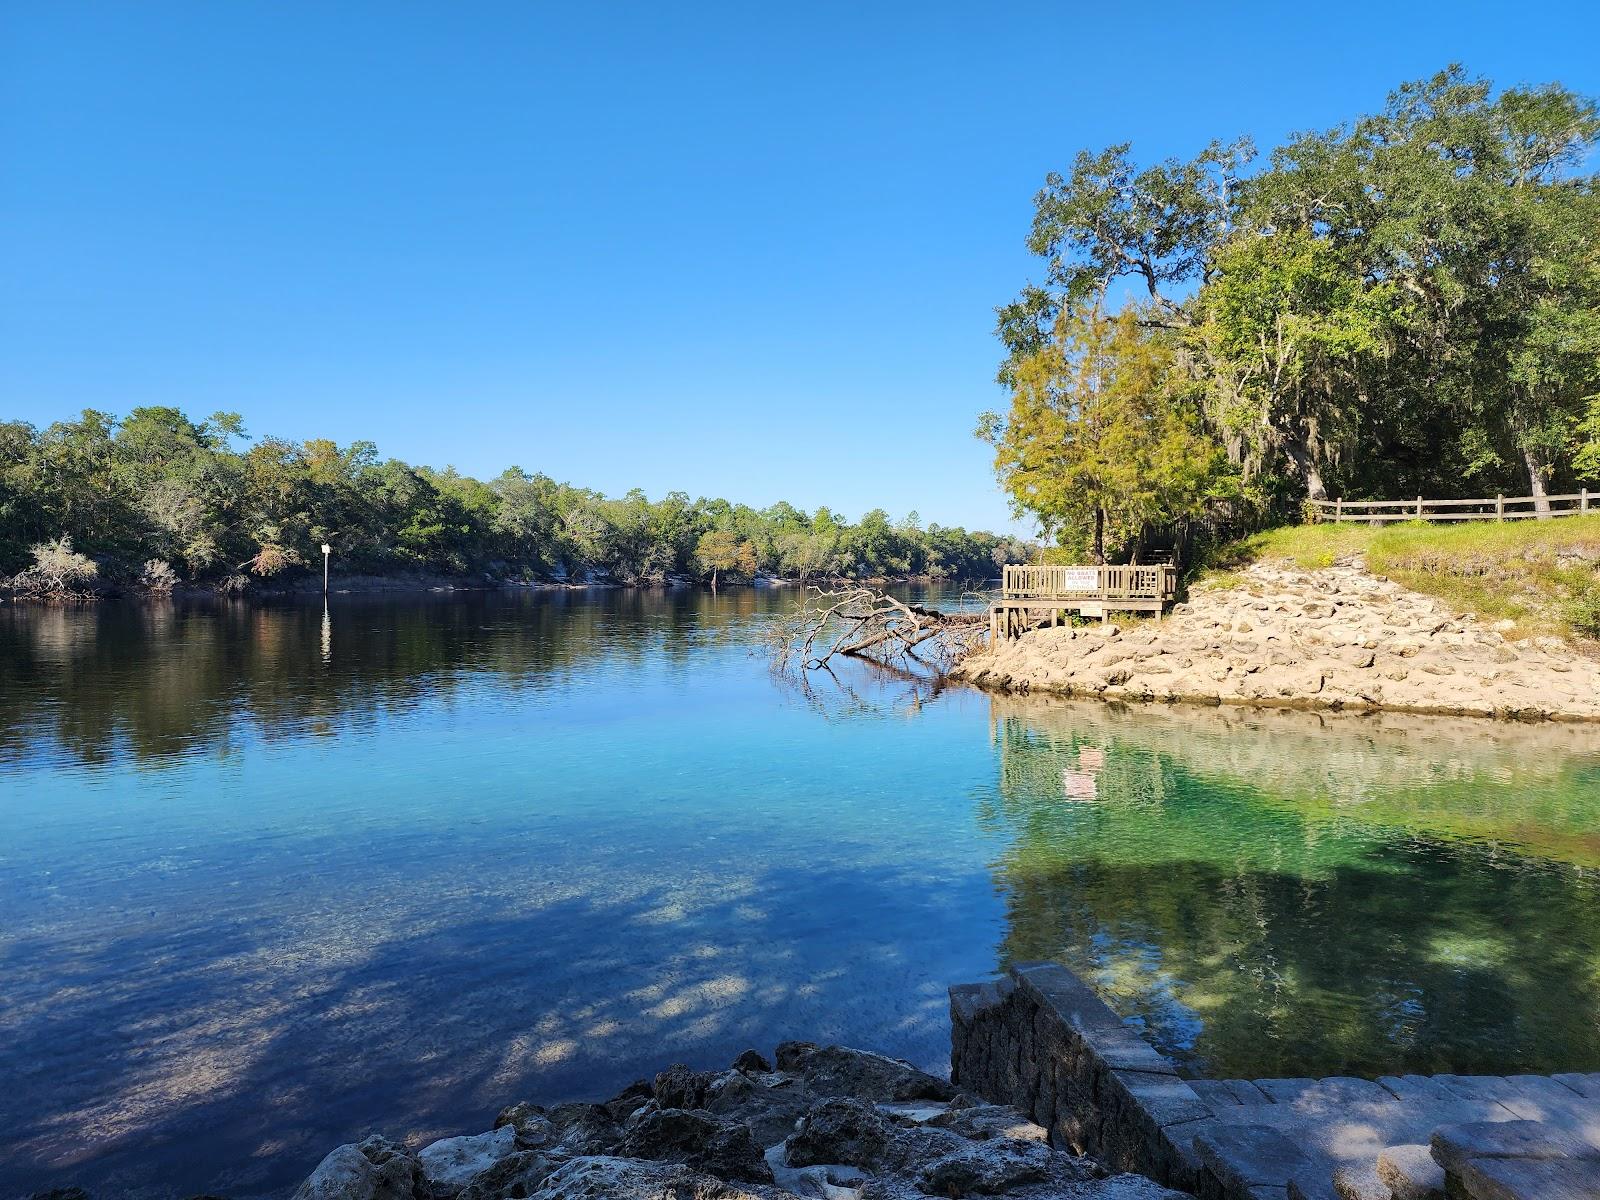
(1495, 508)
(1156, 582)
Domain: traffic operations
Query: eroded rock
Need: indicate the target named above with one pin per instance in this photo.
(840, 1071)
(824, 1123)
(375, 1169)
(608, 1178)
(1276, 638)
(697, 1139)
(515, 1177)
(532, 1128)
(451, 1163)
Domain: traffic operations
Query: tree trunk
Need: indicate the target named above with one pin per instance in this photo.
(713, 579)
(1099, 536)
(1538, 472)
(1300, 453)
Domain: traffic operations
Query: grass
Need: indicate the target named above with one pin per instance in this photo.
(1544, 576)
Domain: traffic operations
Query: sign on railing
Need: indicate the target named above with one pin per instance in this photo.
(1080, 579)
(1103, 583)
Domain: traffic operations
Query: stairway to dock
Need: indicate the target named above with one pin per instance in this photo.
(1040, 1039)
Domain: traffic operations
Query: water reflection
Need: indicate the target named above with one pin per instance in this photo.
(272, 876)
(275, 876)
(1290, 894)
(161, 679)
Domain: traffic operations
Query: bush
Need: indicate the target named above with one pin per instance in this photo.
(1583, 614)
(158, 576)
(57, 570)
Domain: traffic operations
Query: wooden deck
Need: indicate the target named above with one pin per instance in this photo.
(1034, 596)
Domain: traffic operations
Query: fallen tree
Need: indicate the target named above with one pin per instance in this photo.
(863, 622)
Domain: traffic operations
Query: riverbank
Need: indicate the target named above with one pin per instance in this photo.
(826, 1122)
(311, 585)
(1277, 634)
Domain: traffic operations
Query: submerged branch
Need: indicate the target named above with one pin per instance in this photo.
(863, 622)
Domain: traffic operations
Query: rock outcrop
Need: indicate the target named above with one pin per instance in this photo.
(828, 1123)
(1335, 638)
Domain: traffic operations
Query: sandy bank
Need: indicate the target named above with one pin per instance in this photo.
(1335, 638)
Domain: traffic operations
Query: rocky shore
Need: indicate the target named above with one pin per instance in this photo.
(1335, 638)
(827, 1123)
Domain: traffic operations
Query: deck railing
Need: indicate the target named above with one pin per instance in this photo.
(1090, 583)
(1494, 508)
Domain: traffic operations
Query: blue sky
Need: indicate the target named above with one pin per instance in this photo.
(749, 250)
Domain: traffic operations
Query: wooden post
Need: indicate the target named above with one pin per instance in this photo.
(1499, 507)
(1419, 508)
(1583, 501)
(1338, 509)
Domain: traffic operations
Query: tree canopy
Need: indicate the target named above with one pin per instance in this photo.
(1405, 304)
(157, 495)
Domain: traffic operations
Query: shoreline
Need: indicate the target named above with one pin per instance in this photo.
(1331, 639)
(378, 584)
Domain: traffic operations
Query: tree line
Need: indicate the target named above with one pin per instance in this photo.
(1407, 304)
(159, 498)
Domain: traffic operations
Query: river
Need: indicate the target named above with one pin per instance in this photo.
(274, 876)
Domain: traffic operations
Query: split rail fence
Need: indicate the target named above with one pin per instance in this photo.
(1495, 508)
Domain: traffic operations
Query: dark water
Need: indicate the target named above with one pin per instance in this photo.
(269, 880)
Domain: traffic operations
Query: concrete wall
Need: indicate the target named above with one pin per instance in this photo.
(1041, 1040)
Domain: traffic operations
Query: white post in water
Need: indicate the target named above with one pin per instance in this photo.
(326, 550)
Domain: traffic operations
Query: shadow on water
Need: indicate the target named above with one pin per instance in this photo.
(168, 1062)
(271, 881)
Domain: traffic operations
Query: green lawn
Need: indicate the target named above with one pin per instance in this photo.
(1543, 575)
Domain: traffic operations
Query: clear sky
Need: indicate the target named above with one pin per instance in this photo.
(740, 249)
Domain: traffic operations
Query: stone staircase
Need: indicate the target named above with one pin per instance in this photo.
(1041, 1040)
(1395, 1138)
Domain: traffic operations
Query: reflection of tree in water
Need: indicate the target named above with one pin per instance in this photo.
(158, 679)
(1434, 915)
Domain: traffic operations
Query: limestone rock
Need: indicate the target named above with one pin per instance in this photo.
(990, 1168)
(451, 1163)
(841, 1130)
(375, 1169)
(838, 1070)
(696, 1139)
(584, 1129)
(768, 1105)
(1277, 639)
(983, 1121)
(679, 1087)
(606, 1178)
(515, 1177)
(752, 1061)
(531, 1126)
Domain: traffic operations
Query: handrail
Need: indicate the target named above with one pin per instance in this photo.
(1492, 508)
(1120, 582)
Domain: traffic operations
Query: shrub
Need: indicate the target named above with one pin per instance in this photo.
(57, 570)
(1583, 614)
(158, 576)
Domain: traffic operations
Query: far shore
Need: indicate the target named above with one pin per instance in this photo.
(311, 586)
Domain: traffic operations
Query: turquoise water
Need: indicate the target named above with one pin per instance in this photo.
(270, 879)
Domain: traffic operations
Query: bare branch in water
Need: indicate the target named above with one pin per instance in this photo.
(863, 622)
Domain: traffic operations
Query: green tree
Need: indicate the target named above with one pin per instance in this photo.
(1098, 440)
(721, 550)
